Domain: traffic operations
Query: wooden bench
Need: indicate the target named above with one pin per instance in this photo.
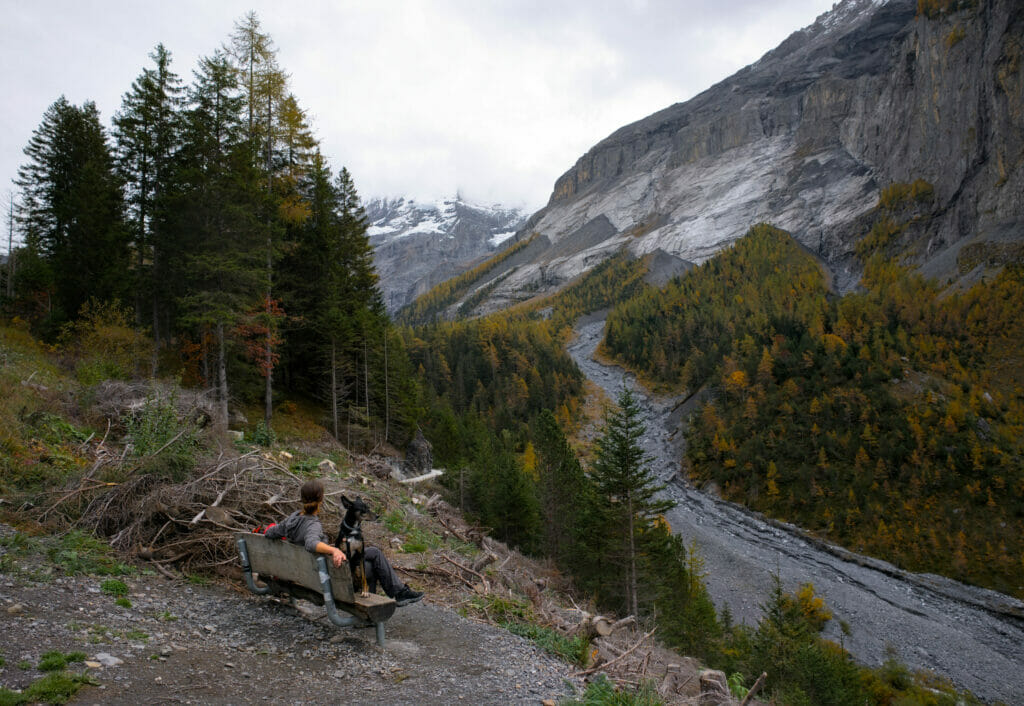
(288, 569)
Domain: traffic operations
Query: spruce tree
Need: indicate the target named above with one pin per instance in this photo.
(628, 491)
(561, 485)
(147, 131)
(73, 210)
(222, 215)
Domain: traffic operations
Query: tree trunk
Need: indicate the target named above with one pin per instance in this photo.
(10, 246)
(366, 380)
(156, 320)
(222, 376)
(269, 392)
(334, 387)
(633, 602)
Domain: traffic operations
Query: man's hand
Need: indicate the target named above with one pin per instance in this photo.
(338, 557)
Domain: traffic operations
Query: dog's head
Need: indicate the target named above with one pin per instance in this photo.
(356, 510)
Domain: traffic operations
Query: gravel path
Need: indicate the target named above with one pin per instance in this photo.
(182, 643)
(973, 636)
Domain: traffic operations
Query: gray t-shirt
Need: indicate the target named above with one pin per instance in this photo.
(299, 529)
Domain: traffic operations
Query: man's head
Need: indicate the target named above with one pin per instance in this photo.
(312, 494)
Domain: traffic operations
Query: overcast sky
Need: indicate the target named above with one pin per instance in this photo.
(495, 98)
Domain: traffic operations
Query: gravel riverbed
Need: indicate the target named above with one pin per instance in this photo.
(973, 636)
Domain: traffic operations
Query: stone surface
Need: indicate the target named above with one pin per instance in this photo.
(418, 457)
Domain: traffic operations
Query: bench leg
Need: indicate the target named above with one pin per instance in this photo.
(243, 552)
(344, 621)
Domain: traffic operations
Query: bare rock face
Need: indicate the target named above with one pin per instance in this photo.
(805, 138)
(419, 458)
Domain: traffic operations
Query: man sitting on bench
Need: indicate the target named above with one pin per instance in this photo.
(304, 527)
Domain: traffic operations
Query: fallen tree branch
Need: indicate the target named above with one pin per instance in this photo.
(610, 663)
(480, 576)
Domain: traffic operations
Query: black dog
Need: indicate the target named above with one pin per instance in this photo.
(350, 540)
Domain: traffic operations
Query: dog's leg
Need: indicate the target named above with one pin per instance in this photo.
(362, 571)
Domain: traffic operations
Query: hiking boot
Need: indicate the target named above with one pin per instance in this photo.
(407, 596)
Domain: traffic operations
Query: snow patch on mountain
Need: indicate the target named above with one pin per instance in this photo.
(418, 244)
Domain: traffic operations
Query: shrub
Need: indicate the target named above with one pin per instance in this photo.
(262, 435)
(104, 344)
(166, 444)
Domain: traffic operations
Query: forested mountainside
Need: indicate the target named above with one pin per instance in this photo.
(872, 93)
(888, 420)
(417, 245)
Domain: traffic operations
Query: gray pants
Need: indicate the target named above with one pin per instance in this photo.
(378, 568)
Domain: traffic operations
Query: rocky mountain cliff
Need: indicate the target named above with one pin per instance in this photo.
(418, 244)
(872, 93)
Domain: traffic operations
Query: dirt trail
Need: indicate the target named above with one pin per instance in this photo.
(973, 636)
(184, 643)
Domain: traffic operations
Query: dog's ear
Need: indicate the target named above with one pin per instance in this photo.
(346, 502)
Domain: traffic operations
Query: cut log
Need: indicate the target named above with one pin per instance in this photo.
(426, 476)
(483, 561)
(593, 626)
(714, 689)
(754, 689)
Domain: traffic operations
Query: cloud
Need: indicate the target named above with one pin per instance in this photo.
(415, 97)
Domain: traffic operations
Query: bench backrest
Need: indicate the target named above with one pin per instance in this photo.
(290, 562)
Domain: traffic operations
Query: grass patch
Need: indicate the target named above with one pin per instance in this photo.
(167, 616)
(602, 692)
(55, 660)
(123, 602)
(571, 649)
(417, 539)
(517, 617)
(79, 553)
(55, 688)
(114, 587)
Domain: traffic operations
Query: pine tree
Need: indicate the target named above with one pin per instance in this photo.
(627, 488)
(73, 211)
